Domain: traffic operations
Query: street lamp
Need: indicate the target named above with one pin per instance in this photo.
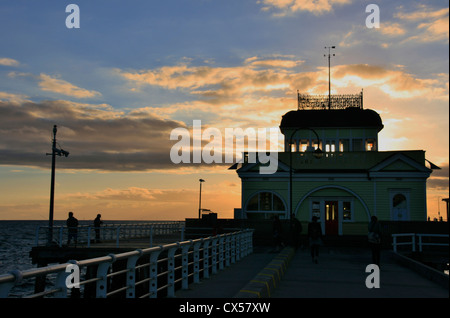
(317, 154)
(200, 199)
(59, 152)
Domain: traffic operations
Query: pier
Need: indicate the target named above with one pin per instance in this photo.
(237, 264)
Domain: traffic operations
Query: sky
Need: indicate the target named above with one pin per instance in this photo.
(135, 70)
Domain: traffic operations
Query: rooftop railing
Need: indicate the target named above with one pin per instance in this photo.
(319, 102)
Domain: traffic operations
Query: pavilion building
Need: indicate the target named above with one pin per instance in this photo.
(331, 168)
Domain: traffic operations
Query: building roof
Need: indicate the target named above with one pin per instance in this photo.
(331, 118)
(346, 162)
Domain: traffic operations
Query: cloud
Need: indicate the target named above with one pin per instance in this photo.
(428, 24)
(394, 82)
(97, 136)
(392, 29)
(55, 85)
(135, 194)
(253, 94)
(258, 79)
(288, 6)
(439, 179)
(8, 62)
(14, 98)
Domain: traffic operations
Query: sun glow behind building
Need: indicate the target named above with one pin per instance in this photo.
(132, 72)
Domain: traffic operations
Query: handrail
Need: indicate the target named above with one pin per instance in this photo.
(151, 272)
(420, 237)
(111, 232)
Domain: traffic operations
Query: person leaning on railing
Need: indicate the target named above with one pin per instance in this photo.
(72, 225)
(97, 223)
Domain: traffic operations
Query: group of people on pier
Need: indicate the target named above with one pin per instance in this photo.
(72, 226)
(315, 237)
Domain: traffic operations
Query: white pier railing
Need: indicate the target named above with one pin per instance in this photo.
(148, 273)
(416, 241)
(117, 232)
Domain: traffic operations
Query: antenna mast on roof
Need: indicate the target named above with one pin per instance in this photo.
(329, 76)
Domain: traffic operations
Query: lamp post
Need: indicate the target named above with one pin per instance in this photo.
(317, 154)
(59, 152)
(200, 199)
(329, 75)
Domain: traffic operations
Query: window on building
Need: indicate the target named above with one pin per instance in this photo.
(347, 211)
(316, 210)
(357, 145)
(399, 201)
(371, 144)
(303, 145)
(344, 145)
(265, 202)
(400, 207)
(330, 146)
(252, 205)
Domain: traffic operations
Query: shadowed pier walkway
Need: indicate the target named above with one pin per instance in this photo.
(340, 273)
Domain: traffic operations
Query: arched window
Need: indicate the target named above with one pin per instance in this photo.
(266, 202)
(400, 207)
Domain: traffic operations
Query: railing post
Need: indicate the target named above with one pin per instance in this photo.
(151, 236)
(60, 236)
(420, 242)
(153, 286)
(61, 283)
(394, 242)
(5, 288)
(89, 237)
(131, 275)
(413, 242)
(214, 255)
(239, 244)
(171, 271)
(206, 258)
(227, 250)
(182, 233)
(117, 236)
(185, 265)
(102, 272)
(233, 248)
(221, 251)
(36, 242)
(197, 262)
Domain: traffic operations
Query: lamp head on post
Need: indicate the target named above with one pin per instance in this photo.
(318, 153)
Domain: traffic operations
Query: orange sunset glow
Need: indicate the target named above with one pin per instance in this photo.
(117, 87)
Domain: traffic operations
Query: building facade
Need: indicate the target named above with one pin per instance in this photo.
(331, 168)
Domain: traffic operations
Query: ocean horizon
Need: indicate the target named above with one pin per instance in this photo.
(17, 238)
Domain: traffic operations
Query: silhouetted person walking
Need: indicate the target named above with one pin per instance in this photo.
(315, 238)
(374, 238)
(72, 226)
(97, 223)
